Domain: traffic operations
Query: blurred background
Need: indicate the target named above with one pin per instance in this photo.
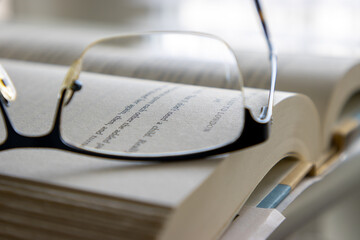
(323, 27)
(330, 27)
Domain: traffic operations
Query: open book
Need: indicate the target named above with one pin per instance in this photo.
(49, 193)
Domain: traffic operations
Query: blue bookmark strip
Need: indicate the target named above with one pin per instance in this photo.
(274, 198)
(357, 116)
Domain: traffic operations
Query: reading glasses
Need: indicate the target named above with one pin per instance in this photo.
(158, 96)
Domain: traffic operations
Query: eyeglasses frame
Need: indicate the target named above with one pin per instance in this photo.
(255, 131)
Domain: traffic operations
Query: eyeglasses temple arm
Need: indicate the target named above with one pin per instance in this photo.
(266, 111)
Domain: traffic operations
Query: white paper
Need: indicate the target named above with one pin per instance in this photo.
(254, 223)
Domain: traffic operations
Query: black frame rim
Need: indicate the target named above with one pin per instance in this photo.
(253, 133)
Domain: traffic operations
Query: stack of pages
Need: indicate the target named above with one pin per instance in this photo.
(53, 194)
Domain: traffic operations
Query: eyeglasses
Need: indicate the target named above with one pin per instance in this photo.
(159, 96)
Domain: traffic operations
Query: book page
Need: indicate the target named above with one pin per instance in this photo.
(32, 114)
(167, 63)
(167, 59)
(128, 115)
(253, 223)
(151, 117)
(324, 79)
(312, 75)
(269, 182)
(329, 82)
(47, 44)
(216, 186)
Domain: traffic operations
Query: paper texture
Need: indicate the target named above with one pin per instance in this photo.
(128, 115)
(258, 223)
(254, 224)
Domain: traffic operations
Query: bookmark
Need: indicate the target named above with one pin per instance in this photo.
(344, 134)
(282, 190)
